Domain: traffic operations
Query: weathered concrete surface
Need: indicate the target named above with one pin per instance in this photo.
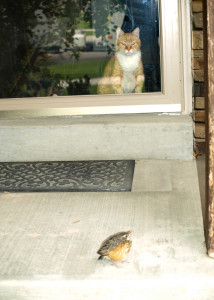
(97, 137)
(152, 176)
(48, 242)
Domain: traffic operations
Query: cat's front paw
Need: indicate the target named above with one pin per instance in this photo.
(118, 91)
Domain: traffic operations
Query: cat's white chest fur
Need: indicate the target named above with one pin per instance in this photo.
(129, 63)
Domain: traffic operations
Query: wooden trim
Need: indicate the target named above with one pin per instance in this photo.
(209, 96)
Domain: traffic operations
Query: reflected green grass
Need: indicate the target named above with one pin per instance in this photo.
(93, 69)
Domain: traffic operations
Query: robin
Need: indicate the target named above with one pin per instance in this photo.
(116, 246)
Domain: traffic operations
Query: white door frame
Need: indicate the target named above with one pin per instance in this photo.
(176, 95)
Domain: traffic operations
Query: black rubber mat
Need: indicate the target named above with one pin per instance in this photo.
(78, 176)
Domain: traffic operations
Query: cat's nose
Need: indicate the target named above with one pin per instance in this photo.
(128, 50)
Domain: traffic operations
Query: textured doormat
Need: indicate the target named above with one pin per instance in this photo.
(78, 176)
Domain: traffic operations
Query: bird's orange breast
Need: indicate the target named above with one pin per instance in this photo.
(120, 252)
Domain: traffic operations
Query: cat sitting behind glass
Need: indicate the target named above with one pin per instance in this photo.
(124, 72)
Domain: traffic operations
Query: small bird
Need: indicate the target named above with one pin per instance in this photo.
(116, 246)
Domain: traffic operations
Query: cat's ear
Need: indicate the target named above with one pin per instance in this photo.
(136, 32)
(119, 32)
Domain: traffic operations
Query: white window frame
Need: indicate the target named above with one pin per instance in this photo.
(176, 78)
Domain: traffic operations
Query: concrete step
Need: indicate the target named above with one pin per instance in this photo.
(97, 137)
(148, 289)
(48, 241)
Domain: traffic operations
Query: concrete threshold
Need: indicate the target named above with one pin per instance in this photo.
(138, 136)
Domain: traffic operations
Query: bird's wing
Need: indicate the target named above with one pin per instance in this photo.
(108, 245)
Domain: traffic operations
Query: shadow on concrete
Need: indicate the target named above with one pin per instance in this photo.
(201, 179)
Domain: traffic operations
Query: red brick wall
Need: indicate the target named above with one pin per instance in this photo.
(198, 76)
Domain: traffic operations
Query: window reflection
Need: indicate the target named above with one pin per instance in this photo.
(63, 47)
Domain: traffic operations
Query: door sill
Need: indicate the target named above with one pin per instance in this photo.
(11, 112)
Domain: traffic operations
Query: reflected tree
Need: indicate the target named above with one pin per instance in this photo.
(105, 16)
(25, 26)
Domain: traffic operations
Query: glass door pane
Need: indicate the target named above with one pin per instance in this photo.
(70, 47)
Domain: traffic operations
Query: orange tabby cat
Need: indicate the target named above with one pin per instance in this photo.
(124, 72)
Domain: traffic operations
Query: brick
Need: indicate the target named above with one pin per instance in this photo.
(198, 54)
(199, 115)
(198, 20)
(198, 75)
(198, 89)
(199, 146)
(197, 39)
(199, 130)
(197, 63)
(197, 6)
(199, 103)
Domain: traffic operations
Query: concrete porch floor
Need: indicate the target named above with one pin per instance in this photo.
(48, 241)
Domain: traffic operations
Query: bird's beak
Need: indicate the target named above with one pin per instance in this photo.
(130, 233)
